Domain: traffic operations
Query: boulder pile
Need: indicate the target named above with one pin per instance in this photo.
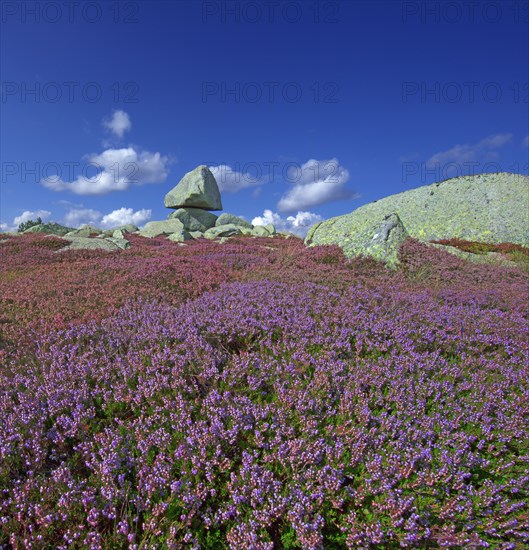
(192, 202)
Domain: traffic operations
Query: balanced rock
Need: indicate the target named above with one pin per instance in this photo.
(197, 189)
(225, 219)
(167, 227)
(194, 219)
(485, 208)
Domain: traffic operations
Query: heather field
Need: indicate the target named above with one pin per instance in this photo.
(258, 394)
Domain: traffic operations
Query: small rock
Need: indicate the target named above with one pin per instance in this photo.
(85, 243)
(194, 219)
(222, 231)
(230, 219)
(166, 227)
(85, 231)
(260, 231)
(121, 243)
(180, 236)
(246, 230)
(126, 228)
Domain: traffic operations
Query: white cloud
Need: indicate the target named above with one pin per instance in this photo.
(232, 181)
(24, 217)
(315, 182)
(102, 183)
(525, 142)
(77, 217)
(31, 215)
(298, 224)
(119, 123)
(460, 154)
(124, 215)
(494, 141)
(119, 169)
(6, 227)
(81, 216)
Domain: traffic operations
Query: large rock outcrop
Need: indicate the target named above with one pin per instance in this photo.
(197, 189)
(490, 208)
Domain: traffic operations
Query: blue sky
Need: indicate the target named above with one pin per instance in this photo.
(307, 110)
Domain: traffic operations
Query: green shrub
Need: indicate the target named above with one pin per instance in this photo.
(30, 223)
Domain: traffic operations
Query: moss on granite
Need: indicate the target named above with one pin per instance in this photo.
(485, 208)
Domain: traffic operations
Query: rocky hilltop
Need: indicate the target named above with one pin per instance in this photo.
(488, 208)
(492, 208)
